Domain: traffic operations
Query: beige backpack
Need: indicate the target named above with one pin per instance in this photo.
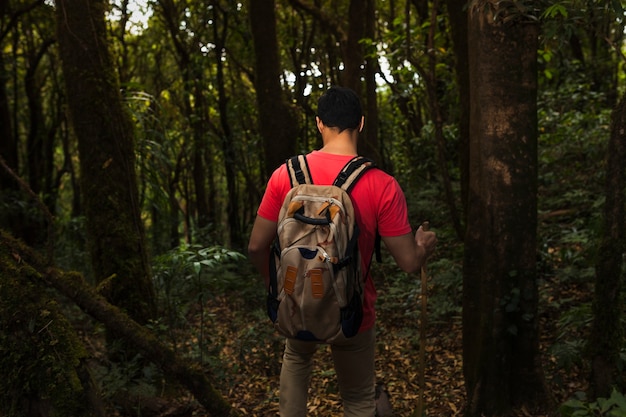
(316, 285)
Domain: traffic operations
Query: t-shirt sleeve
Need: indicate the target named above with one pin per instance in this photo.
(393, 217)
(277, 187)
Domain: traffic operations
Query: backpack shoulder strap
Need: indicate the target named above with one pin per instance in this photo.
(346, 179)
(352, 171)
(298, 169)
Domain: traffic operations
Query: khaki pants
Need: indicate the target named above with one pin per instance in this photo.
(354, 365)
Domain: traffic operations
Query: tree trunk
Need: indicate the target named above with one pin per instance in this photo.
(369, 145)
(278, 123)
(458, 27)
(199, 117)
(36, 139)
(607, 332)
(351, 47)
(604, 37)
(107, 160)
(8, 143)
(44, 362)
(11, 216)
(228, 145)
(39, 144)
(501, 361)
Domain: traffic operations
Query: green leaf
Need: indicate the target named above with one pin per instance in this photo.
(619, 401)
(554, 10)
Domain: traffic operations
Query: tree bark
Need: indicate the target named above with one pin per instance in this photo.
(501, 360)
(277, 121)
(116, 240)
(607, 332)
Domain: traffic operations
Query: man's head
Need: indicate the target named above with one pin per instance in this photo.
(340, 108)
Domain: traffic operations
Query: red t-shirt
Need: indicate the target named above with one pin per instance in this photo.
(378, 201)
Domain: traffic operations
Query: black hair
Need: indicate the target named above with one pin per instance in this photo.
(340, 107)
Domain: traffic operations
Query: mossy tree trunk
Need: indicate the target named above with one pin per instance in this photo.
(607, 332)
(108, 182)
(43, 362)
(501, 360)
(49, 375)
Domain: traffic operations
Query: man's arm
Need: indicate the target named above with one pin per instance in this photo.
(410, 252)
(261, 237)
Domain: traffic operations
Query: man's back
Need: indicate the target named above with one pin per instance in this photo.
(378, 202)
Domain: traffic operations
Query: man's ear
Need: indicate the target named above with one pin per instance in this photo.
(362, 123)
(319, 123)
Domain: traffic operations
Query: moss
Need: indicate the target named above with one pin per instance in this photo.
(41, 356)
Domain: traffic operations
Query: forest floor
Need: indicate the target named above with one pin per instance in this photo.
(230, 335)
(254, 391)
(245, 356)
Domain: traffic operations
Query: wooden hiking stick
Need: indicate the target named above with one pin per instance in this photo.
(422, 355)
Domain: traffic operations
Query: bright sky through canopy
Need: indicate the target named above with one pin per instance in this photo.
(139, 11)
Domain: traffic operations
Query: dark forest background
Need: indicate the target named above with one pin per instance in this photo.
(135, 142)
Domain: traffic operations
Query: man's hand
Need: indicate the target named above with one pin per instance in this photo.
(410, 252)
(426, 240)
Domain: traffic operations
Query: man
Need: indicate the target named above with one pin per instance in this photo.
(379, 205)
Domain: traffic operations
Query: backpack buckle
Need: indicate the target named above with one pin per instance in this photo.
(342, 177)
